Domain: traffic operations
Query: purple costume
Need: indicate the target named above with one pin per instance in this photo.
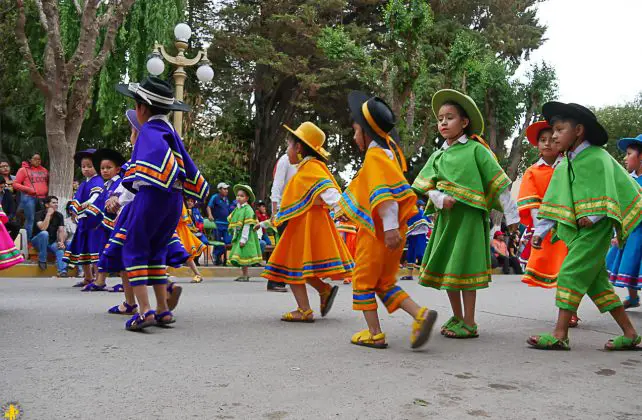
(85, 246)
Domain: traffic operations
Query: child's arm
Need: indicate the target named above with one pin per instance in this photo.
(389, 213)
(541, 230)
(510, 208)
(245, 234)
(331, 197)
(441, 200)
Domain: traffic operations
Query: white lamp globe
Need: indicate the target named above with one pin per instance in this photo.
(155, 65)
(182, 32)
(205, 73)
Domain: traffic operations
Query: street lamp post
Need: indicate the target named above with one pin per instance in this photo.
(156, 66)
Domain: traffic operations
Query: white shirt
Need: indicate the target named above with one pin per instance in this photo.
(508, 204)
(388, 210)
(282, 175)
(545, 225)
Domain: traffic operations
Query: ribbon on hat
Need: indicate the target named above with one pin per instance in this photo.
(401, 159)
(146, 95)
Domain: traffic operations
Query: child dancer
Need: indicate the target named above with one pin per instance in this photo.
(83, 249)
(310, 248)
(9, 255)
(190, 242)
(380, 201)
(110, 162)
(625, 264)
(589, 195)
(246, 249)
(464, 182)
(160, 172)
(416, 239)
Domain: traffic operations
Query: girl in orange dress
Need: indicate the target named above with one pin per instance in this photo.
(348, 231)
(310, 248)
(190, 242)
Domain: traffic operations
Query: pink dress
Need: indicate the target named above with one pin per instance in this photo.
(9, 255)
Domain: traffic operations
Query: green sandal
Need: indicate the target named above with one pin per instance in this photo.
(622, 343)
(548, 342)
(451, 322)
(461, 330)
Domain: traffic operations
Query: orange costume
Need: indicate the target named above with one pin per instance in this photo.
(190, 242)
(310, 245)
(348, 231)
(380, 180)
(543, 264)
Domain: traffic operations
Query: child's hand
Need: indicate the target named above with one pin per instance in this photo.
(537, 242)
(584, 222)
(242, 244)
(449, 202)
(615, 242)
(392, 239)
(112, 204)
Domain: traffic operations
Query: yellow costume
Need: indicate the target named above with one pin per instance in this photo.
(379, 180)
(310, 245)
(190, 242)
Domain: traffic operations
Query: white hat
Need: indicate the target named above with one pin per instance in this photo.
(222, 185)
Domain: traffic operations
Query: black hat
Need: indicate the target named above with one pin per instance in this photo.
(107, 154)
(260, 203)
(79, 156)
(382, 118)
(154, 92)
(595, 133)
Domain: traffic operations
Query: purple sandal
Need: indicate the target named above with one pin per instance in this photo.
(93, 287)
(80, 284)
(138, 323)
(116, 289)
(159, 319)
(129, 309)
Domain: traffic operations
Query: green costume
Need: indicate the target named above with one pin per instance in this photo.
(458, 253)
(250, 253)
(592, 184)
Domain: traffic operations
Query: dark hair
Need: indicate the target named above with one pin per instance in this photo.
(154, 110)
(462, 113)
(635, 146)
(561, 118)
(306, 150)
(68, 207)
(48, 199)
(542, 131)
(4, 159)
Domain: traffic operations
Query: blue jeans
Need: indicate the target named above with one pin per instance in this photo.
(41, 243)
(222, 235)
(28, 205)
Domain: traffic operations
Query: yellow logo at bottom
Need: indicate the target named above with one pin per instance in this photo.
(11, 411)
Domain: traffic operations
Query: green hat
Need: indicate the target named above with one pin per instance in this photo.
(247, 189)
(466, 102)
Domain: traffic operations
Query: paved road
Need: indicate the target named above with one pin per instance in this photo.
(229, 357)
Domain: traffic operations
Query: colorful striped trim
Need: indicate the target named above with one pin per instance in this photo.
(499, 183)
(532, 278)
(93, 210)
(384, 192)
(447, 281)
(322, 268)
(302, 205)
(606, 300)
(197, 186)
(95, 190)
(80, 259)
(252, 221)
(147, 272)
(238, 261)
(419, 223)
(467, 195)
(108, 222)
(568, 297)
(363, 298)
(392, 297)
(529, 202)
(355, 212)
(422, 185)
(632, 215)
(162, 176)
(557, 212)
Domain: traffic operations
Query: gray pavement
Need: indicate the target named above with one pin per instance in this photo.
(229, 357)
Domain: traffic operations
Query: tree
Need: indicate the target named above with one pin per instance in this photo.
(621, 121)
(65, 77)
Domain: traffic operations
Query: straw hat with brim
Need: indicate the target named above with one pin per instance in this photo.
(622, 144)
(595, 133)
(153, 92)
(247, 189)
(311, 135)
(533, 130)
(107, 154)
(133, 119)
(466, 102)
(79, 156)
(382, 119)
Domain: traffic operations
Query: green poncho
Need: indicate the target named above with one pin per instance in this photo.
(592, 184)
(250, 253)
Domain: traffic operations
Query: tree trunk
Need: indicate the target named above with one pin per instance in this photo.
(60, 162)
(515, 156)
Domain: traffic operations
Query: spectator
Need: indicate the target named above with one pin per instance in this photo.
(262, 216)
(503, 256)
(8, 198)
(32, 180)
(218, 209)
(50, 235)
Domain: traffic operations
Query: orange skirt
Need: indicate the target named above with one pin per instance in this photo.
(309, 247)
(544, 264)
(190, 242)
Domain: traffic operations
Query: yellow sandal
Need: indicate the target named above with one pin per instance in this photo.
(422, 327)
(197, 279)
(306, 316)
(366, 339)
(327, 299)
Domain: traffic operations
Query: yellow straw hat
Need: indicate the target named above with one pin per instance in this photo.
(311, 135)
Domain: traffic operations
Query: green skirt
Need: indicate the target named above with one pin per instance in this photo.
(248, 255)
(458, 253)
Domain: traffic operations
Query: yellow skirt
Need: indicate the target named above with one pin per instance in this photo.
(309, 247)
(190, 242)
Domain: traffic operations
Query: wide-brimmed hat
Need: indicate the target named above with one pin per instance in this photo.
(311, 135)
(133, 119)
(107, 154)
(374, 115)
(247, 189)
(79, 156)
(154, 92)
(533, 130)
(595, 133)
(466, 102)
(622, 144)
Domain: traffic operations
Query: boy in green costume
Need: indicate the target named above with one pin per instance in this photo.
(246, 248)
(463, 182)
(589, 195)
